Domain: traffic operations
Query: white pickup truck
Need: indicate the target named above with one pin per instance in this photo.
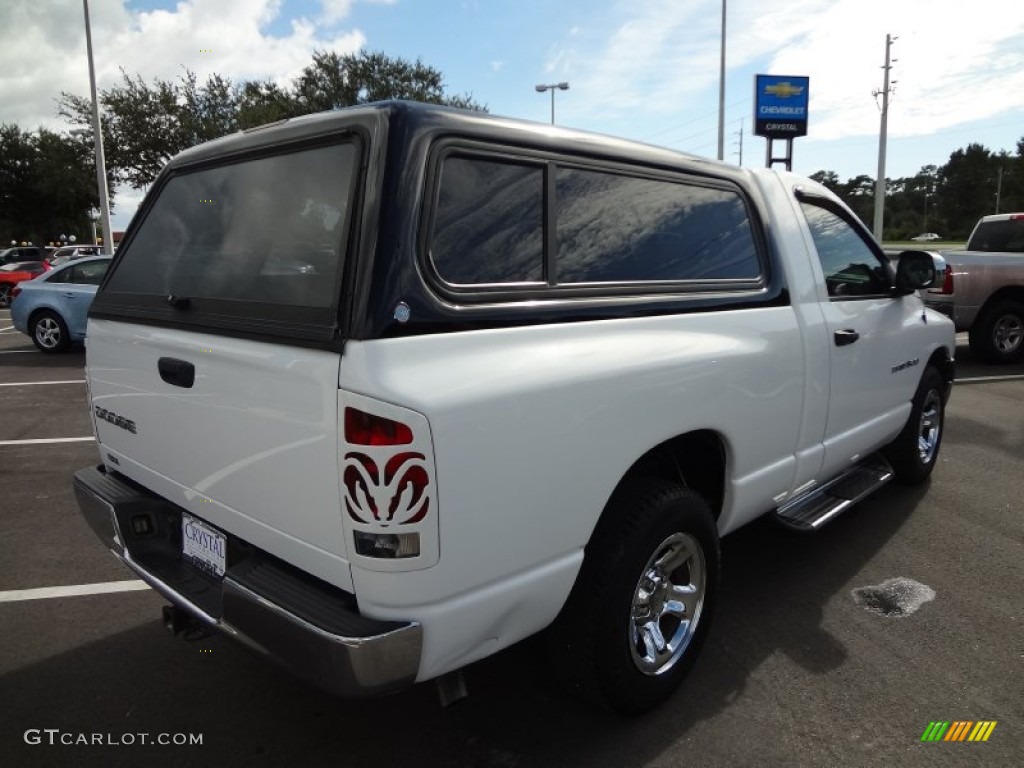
(382, 391)
(982, 289)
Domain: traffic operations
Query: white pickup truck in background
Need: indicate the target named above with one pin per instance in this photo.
(982, 290)
(382, 391)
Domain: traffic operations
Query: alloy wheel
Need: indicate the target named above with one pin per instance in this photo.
(667, 604)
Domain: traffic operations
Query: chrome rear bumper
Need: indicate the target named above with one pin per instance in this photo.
(310, 627)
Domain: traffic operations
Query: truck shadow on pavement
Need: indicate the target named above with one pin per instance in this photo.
(32, 358)
(775, 585)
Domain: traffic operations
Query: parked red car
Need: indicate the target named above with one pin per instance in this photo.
(12, 274)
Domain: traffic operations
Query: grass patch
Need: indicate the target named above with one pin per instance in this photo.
(934, 245)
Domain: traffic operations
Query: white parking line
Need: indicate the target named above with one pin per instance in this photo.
(44, 441)
(978, 379)
(38, 383)
(16, 351)
(75, 590)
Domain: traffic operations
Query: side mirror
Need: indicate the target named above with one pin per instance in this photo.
(916, 270)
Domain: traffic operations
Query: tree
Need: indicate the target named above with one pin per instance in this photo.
(16, 156)
(334, 80)
(261, 102)
(208, 111)
(828, 179)
(145, 124)
(47, 185)
(969, 182)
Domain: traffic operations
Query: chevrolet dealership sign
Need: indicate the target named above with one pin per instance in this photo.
(780, 106)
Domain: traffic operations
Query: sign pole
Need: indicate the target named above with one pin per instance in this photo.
(780, 112)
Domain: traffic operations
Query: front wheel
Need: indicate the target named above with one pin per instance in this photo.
(998, 335)
(641, 607)
(914, 452)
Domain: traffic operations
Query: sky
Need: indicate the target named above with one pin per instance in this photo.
(645, 70)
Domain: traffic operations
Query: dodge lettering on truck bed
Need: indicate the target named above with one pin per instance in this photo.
(382, 391)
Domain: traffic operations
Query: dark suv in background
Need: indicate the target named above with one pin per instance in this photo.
(23, 253)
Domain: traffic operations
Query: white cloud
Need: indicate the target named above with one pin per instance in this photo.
(951, 66)
(662, 48)
(333, 11)
(42, 52)
(42, 47)
(497, 66)
(955, 63)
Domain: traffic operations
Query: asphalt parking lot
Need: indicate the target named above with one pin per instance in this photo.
(795, 673)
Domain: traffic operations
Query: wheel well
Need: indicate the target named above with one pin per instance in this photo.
(942, 361)
(698, 459)
(36, 313)
(1007, 293)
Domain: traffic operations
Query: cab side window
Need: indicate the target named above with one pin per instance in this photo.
(851, 267)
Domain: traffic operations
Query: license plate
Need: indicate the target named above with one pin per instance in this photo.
(203, 546)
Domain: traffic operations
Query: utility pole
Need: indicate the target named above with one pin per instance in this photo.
(740, 163)
(880, 181)
(721, 93)
(999, 188)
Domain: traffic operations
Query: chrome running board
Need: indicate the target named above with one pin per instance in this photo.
(811, 510)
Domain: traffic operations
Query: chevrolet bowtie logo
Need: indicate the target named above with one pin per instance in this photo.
(784, 90)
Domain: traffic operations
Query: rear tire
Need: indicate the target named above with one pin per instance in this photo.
(5, 294)
(914, 452)
(641, 607)
(998, 335)
(49, 332)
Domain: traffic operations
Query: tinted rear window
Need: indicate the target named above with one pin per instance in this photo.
(1007, 236)
(258, 238)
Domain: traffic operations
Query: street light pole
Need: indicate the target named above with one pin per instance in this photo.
(97, 137)
(721, 93)
(552, 87)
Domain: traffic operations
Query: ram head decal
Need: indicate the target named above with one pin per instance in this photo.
(386, 490)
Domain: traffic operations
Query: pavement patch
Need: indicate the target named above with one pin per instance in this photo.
(893, 598)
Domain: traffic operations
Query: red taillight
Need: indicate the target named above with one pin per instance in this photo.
(15, 291)
(1017, 216)
(947, 282)
(366, 429)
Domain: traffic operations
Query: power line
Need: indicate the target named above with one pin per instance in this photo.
(703, 116)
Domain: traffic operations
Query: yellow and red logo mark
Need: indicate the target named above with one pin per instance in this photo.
(784, 90)
(958, 730)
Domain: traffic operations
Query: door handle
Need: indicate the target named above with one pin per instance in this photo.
(179, 373)
(70, 295)
(845, 336)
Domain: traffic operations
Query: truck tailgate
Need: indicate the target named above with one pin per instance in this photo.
(250, 446)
